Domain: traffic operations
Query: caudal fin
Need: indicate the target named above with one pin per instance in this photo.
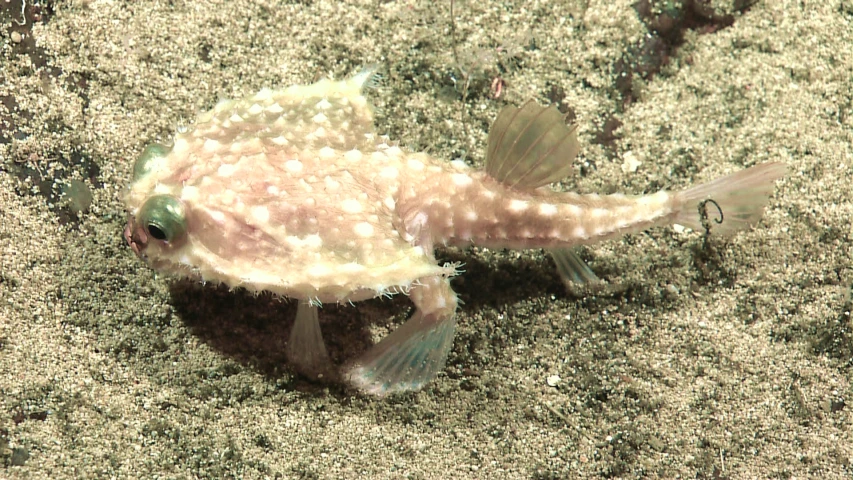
(731, 203)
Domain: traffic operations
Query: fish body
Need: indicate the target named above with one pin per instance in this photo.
(291, 191)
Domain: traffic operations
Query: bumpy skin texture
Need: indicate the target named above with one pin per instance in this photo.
(292, 192)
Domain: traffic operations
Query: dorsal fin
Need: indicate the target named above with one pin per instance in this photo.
(530, 147)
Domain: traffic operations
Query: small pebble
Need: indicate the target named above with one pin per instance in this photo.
(553, 380)
(630, 162)
(672, 290)
(16, 37)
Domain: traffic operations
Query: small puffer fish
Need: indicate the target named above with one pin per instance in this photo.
(291, 191)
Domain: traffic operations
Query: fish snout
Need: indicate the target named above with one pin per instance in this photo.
(136, 237)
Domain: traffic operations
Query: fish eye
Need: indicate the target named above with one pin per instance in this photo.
(148, 159)
(163, 218)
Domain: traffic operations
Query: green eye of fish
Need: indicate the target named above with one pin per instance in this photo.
(163, 218)
(148, 159)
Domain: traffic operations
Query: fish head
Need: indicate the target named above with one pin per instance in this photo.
(159, 220)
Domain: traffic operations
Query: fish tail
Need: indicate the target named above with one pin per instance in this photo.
(731, 203)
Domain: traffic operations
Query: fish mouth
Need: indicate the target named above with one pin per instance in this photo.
(136, 237)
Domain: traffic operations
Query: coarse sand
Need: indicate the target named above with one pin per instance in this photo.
(700, 358)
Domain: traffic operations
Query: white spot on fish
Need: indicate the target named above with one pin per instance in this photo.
(659, 197)
(579, 232)
(573, 210)
(189, 193)
(353, 155)
(255, 109)
(261, 213)
(459, 165)
(226, 170)
(389, 172)
(352, 268)
(363, 229)
(180, 146)
(547, 209)
(517, 205)
(227, 197)
(217, 216)
(319, 270)
(415, 164)
(351, 206)
(461, 179)
(326, 152)
(210, 145)
(163, 189)
(294, 166)
(332, 185)
(313, 241)
(263, 95)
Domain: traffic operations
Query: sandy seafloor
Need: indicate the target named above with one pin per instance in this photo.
(727, 361)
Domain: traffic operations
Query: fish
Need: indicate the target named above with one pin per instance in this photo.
(291, 191)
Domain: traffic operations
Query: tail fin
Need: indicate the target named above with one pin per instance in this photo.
(740, 198)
